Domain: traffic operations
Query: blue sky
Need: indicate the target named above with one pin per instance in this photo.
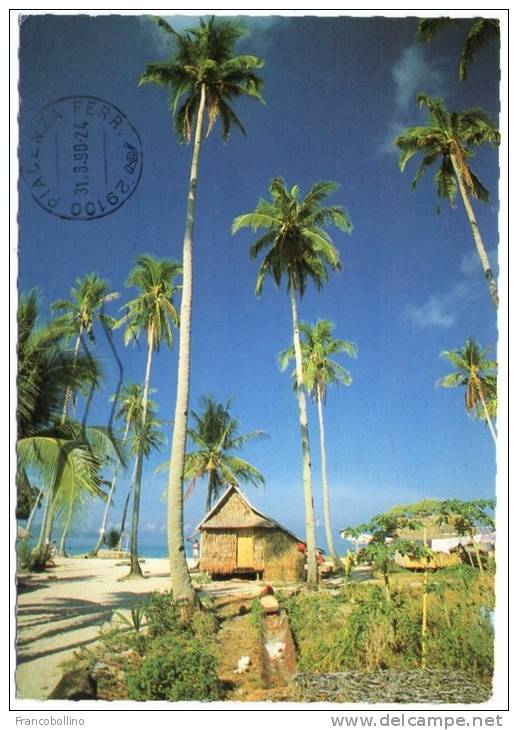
(337, 91)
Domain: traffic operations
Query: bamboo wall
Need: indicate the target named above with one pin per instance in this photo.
(275, 554)
(218, 551)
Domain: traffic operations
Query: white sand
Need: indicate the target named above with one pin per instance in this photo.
(63, 610)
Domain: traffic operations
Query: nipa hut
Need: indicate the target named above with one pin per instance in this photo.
(433, 534)
(238, 539)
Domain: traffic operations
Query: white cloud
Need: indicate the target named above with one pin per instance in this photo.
(412, 73)
(441, 310)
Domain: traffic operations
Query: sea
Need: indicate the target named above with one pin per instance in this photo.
(80, 545)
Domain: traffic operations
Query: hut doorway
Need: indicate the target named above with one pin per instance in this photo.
(245, 548)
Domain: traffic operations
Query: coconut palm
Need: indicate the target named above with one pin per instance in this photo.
(46, 370)
(448, 138)
(130, 411)
(153, 312)
(215, 436)
(296, 247)
(481, 32)
(202, 77)
(475, 372)
(320, 371)
(79, 312)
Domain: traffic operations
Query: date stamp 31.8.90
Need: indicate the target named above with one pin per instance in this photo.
(82, 158)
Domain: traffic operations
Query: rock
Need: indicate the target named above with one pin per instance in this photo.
(242, 665)
(77, 684)
(269, 604)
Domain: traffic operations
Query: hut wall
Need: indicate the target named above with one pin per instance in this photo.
(282, 560)
(218, 551)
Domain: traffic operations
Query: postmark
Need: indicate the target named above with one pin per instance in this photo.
(82, 158)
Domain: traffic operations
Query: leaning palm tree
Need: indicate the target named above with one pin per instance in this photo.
(79, 312)
(130, 411)
(475, 372)
(215, 436)
(153, 312)
(297, 247)
(46, 370)
(319, 371)
(202, 77)
(448, 138)
(481, 32)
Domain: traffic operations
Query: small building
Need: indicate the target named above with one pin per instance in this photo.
(238, 539)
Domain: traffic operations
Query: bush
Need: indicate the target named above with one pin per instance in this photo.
(166, 615)
(111, 539)
(32, 559)
(176, 668)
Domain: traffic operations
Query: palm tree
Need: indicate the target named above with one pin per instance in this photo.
(151, 311)
(481, 32)
(215, 434)
(297, 247)
(205, 76)
(130, 411)
(79, 312)
(320, 371)
(478, 375)
(448, 138)
(46, 370)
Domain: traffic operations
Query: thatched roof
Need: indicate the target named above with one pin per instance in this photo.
(234, 511)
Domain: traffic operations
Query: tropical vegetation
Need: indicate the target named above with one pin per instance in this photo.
(319, 372)
(449, 139)
(297, 248)
(203, 78)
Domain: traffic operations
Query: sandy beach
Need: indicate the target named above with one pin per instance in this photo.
(63, 609)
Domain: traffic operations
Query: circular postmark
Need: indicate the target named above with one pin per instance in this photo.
(82, 158)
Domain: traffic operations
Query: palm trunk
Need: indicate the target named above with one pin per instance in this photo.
(210, 491)
(44, 522)
(68, 392)
(180, 579)
(135, 570)
(490, 279)
(33, 510)
(102, 529)
(325, 487)
(486, 414)
(312, 577)
(61, 550)
(126, 503)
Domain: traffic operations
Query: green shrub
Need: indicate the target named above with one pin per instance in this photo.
(175, 668)
(165, 615)
(111, 539)
(31, 559)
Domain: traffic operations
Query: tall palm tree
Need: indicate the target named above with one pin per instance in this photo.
(79, 312)
(215, 438)
(449, 138)
(130, 411)
(153, 312)
(475, 372)
(481, 32)
(297, 247)
(202, 77)
(320, 371)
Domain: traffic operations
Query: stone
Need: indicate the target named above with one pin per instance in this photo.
(269, 604)
(77, 684)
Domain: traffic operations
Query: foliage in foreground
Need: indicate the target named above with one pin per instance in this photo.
(169, 653)
(359, 629)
